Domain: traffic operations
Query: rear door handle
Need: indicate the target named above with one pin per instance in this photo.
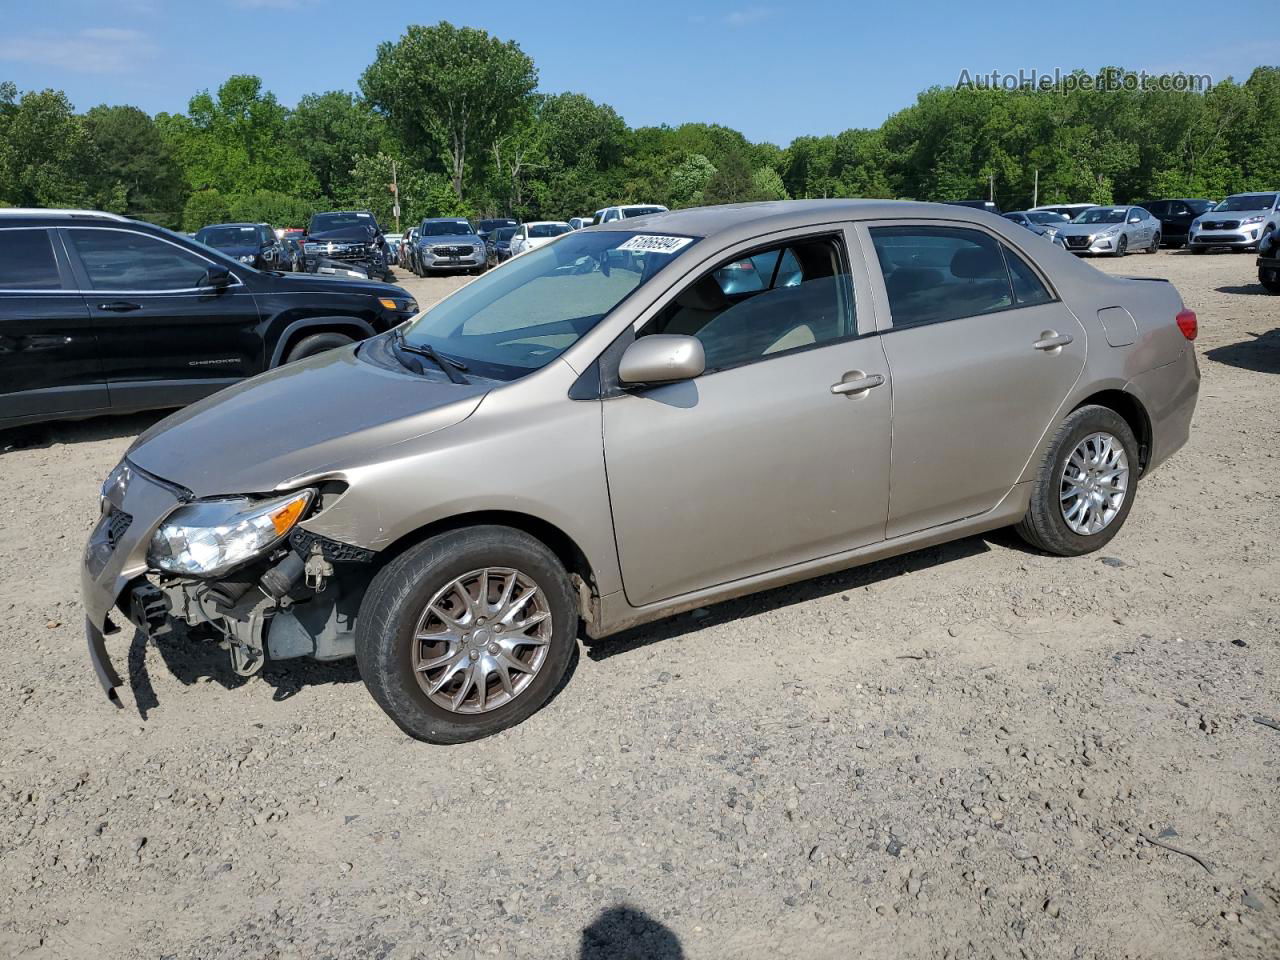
(119, 306)
(858, 384)
(1052, 341)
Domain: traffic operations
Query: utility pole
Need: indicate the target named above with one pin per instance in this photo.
(991, 181)
(395, 192)
(1035, 191)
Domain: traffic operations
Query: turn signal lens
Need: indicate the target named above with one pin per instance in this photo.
(387, 302)
(1188, 324)
(284, 518)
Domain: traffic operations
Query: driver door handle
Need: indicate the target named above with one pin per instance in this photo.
(1052, 341)
(119, 306)
(859, 384)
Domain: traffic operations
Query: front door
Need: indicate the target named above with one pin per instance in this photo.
(49, 361)
(982, 355)
(165, 338)
(759, 463)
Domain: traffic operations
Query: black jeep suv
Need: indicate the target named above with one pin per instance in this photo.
(100, 314)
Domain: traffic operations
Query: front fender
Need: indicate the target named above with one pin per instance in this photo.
(361, 329)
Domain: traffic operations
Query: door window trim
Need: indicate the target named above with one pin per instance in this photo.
(86, 284)
(880, 291)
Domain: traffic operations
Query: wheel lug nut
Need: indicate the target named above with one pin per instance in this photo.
(493, 648)
(475, 654)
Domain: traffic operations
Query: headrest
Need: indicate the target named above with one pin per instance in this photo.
(906, 280)
(706, 294)
(977, 263)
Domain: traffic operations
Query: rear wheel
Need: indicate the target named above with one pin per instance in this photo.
(1122, 248)
(467, 634)
(316, 343)
(1155, 244)
(1269, 277)
(1085, 486)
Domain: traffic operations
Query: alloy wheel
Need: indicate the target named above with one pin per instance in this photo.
(481, 640)
(1095, 482)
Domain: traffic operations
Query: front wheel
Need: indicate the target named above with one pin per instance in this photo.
(1122, 248)
(1269, 277)
(1155, 244)
(1085, 486)
(316, 343)
(466, 634)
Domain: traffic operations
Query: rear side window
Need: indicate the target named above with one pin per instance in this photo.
(124, 260)
(26, 261)
(934, 274)
(1028, 289)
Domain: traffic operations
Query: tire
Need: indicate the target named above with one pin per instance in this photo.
(1155, 244)
(1045, 525)
(1198, 250)
(396, 605)
(316, 343)
(1122, 248)
(1272, 286)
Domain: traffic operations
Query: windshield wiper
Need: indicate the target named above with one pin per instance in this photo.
(452, 368)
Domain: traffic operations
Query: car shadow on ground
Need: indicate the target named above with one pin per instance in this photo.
(1261, 353)
(625, 932)
(1246, 289)
(42, 435)
(803, 592)
(193, 659)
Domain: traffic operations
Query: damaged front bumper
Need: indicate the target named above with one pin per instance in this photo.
(301, 599)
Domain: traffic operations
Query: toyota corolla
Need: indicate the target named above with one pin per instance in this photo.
(608, 430)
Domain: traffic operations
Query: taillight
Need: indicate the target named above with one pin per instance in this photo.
(1186, 321)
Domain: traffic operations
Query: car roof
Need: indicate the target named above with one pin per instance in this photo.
(770, 215)
(545, 223)
(39, 213)
(208, 225)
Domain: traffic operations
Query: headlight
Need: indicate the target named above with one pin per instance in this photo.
(1252, 220)
(246, 258)
(210, 537)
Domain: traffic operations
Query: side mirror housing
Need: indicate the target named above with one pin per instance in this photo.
(1135, 219)
(662, 358)
(216, 277)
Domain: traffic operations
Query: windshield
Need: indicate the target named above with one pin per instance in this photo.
(487, 225)
(1102, 215)
(523, 315)
(641, 211)
(1046, 216)
(504, 233)
(340, 221)
(1200, 206)
(444, 228)
(542, 230)
(1247, 201)
(228, 236)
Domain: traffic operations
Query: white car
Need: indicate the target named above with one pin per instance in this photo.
(627, 211)
(530, 236)
(1069, 210)
(577, 223)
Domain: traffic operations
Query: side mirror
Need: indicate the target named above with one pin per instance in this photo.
(1135, 219)
(216, 277)
(662, 358)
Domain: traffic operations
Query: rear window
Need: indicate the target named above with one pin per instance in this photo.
(542, 230)
(641, 211)
(26, 261)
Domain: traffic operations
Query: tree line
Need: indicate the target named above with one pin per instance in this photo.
(454, 116)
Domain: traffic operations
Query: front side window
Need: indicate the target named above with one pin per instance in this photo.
(782, 298)
(933, 274)
(1102, 215)
(515, 320)
(26, 261)
(124, 260)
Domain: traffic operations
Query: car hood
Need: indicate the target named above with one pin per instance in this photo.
(1074, 229)
(296, 422)
(451, 239)
(324, 283)
(1233, 214)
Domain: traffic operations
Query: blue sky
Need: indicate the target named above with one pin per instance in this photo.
(772, 70)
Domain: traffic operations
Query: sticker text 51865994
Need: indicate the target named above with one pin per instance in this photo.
(651, 243)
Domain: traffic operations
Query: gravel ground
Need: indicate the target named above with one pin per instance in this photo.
(972, 751)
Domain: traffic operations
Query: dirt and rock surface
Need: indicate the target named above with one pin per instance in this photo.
(972, 751)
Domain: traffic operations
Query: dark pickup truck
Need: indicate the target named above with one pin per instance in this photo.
(100, 314)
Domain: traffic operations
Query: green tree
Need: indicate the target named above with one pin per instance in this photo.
(330, 132)
(45, 153)
(766, 184)
(203, 208)
(133, 158)
(689, 181)
(731, 183)
(450, 92)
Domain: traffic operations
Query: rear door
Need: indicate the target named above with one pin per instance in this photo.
(49, 362)
(982, 355)
(164, 337)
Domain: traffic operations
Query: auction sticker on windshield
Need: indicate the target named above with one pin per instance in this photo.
(651, 243)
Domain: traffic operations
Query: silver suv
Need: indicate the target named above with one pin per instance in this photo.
(636, 420)
(1238, 222)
